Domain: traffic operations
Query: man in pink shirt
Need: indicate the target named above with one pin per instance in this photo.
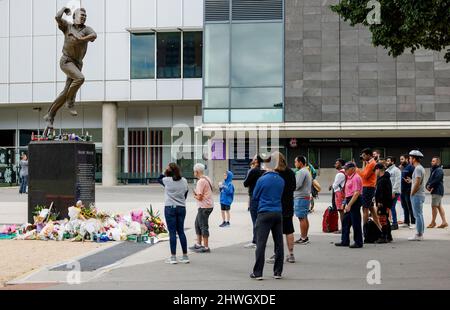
(352, 210)
(203, 195)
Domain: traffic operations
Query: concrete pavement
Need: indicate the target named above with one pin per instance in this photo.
(320, 265)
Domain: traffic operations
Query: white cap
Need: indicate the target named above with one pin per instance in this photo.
(416, 153)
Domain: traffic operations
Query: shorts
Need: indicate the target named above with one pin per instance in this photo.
(224, 207)
(436, 200)
(367, 197)
(338, 200)
(201, 222)
(301, 208)
(288, 225)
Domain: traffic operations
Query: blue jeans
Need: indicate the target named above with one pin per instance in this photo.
(393, 211)
(23, 184)
(417, 206)
(254, 215)
(175, 223)
(407, 208)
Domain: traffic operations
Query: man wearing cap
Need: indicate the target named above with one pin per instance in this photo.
(383, 201)
(352, 212)
(369, 181)
(417, 193)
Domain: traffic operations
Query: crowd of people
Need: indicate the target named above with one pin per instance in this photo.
(277, 193)
(378, 186)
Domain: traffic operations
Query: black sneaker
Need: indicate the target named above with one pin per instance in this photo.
(394, 227)
(224, 224)
(203, 250)
(341, 244)
(381, 240)
(302, 241)
(355, 246)
(258, 278)
(195, 247)
(277, 276)
(228, 224)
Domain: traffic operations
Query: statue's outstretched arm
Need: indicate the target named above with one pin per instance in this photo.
(62, 24)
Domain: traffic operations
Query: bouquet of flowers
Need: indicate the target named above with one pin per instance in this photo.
(44, 210)
(88, 212)
(154, 223)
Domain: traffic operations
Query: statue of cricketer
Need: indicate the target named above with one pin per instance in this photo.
(76, 38)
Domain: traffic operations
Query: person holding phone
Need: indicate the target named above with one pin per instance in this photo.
(175, 194)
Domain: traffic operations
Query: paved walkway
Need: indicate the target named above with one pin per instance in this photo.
(320, 265)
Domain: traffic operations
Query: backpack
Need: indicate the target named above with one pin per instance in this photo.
(312, 171)
(371, 232)
(330, 220)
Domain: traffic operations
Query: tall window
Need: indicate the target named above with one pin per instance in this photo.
(192, 54)
(314, 156)
(244, 76)
(257, 55)
(169, 55)
(346, 153)
(142, 55)
(170, 58)
(445, 157)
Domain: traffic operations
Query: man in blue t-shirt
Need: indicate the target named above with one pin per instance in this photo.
(267, 194)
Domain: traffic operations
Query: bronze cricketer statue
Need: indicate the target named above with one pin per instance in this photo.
(76, 38)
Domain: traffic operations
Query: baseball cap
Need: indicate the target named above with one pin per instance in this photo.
(416, 153)
(349, 165)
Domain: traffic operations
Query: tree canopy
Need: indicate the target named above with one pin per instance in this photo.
(404, 24)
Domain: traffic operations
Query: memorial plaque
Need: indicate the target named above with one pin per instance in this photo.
(61, 172)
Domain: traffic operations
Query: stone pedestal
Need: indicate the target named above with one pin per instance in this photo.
(61, 172)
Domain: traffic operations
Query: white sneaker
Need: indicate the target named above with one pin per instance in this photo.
(171, 260)
(184, 260)
(250, 246)
(416, 238)
(412, 226)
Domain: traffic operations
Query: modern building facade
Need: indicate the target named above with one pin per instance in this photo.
(339, 93)
(143, 74)
(247, 69)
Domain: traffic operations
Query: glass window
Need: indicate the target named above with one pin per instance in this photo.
(169, 55)
(256, 116)
(314, 156)
(7, 137)
(216, 98)
(192, 54)
(217, 55)
(257, 54)
(142, 56)
(347, 153)
(445, 157)
(257, 97)
(215, 116)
